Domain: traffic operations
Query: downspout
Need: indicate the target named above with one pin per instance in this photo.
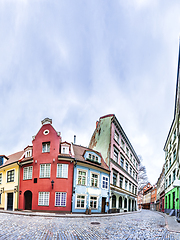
(18, 186)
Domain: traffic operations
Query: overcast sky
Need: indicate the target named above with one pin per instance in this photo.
(75, 61)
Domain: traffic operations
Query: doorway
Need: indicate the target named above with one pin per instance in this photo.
(103, 204)
(28, 200)
(129, 205)
(10, 201)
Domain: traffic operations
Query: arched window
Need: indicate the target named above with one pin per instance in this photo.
(114, 201)
(120, 202)
(125, 203)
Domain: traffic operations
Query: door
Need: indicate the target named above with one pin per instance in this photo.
(10, 201)
(28, 200)
(103, 204)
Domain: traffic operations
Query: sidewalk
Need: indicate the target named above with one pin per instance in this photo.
(171, 224)
(73, 215)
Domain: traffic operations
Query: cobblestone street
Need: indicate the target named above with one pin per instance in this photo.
(143, 225)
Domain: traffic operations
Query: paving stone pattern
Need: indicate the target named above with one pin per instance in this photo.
(143, 225)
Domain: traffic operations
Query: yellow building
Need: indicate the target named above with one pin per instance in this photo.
(9, 179)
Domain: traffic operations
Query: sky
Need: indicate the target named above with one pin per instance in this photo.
(75, 61)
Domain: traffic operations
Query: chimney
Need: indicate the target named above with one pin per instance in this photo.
(97, 123)
(74, 139)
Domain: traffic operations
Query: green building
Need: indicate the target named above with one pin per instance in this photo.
(171, 149)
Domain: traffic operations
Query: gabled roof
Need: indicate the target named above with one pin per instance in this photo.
(13, 158)
(79, 152)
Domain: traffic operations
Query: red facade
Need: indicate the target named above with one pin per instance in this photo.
(40, 184)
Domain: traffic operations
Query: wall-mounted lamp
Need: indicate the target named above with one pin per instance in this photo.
(35, 161)
(53, 159)
(2, 190)
(15, 189)
(52, 183)
(20, 192)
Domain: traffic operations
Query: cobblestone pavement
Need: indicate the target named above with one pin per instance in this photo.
(143, 225)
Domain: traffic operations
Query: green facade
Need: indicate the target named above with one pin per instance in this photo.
(172, 199)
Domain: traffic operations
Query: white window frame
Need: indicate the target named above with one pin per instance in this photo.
(84, 201)
(83, 170)
(60, 199)
(116, 136)
(46, 150)
(28, 173)
(64, 149)
(97, 179)
(97, 200)
(106, 181)
(116, 158)
(43, 199)
(45, 170)
(7, 175)
(63, 170)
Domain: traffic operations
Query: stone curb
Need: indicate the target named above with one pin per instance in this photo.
(166, 222)
(42, 214)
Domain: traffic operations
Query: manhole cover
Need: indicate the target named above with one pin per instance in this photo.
(95, 223)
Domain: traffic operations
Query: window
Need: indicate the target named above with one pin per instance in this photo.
(127, 152)
(60, 199)
(120, 182)
(127, 167)
(130, 170)
(93, 202)
(174, 134)
(116, 136)
(166, 183)
(170, 162)
(174, 174)
(166, 167)
(130, 156)
(80, 201)
(169, 145)
(92, 158)
(27, 173)
(122, 162)
(134, 162)
(129, 187)
(0, 178)
(136, 176)
(46, 147)
(115, 155)
(82, 177)
(94, 180)
(133, 174)
(122, 144)
(45, 170)
(105, 182)
(133, 189)
(65, 150)
(174, 155)
(62, 170)
(120, 202)
(169, 179)
(126, 183)
(10, 176)
(43, 199)
(114, 178)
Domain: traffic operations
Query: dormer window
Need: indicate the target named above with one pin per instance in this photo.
(92, 157)
(28, 153)
(64, 150)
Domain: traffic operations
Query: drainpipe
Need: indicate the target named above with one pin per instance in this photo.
(18, 185)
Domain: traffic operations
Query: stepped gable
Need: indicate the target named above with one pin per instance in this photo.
(79, 152)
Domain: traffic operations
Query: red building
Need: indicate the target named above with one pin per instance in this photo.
(46, 172)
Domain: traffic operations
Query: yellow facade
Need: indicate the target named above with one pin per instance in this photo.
(9, 186)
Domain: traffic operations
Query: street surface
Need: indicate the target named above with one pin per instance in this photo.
(143, 225)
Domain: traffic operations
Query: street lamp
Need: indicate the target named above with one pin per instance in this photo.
(176, 183)
(52, 183)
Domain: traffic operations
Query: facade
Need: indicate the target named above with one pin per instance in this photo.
(153, 198)
(140, 199)
(46, 172)
(171, 149)
(110, 139)
(160, 192)
(91, 181)
(9, 179)
(147, 196)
